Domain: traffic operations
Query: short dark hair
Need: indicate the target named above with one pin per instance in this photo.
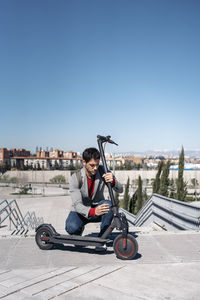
(90, 153)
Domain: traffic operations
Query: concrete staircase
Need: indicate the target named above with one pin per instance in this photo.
(168, 213)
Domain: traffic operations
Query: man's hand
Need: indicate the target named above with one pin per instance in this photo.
(102, 209)
(108, 177)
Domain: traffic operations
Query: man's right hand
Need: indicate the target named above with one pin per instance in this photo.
(102, 209)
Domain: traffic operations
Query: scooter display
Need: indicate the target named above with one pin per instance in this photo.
(125, 245)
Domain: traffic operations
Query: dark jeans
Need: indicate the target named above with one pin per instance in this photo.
(76, 222)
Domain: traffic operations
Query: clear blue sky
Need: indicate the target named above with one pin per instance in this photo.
(70, 70)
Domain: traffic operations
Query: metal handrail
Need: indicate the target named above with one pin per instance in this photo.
(21, 224)
(14, 214)
(32, 221)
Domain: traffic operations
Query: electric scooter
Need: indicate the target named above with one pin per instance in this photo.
(125, 245)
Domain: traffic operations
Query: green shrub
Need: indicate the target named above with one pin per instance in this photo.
(13, 180)
(58, 179)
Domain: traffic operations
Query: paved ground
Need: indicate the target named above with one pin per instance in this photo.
(167, 265)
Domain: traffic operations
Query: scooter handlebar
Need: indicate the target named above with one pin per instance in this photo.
(107, 139)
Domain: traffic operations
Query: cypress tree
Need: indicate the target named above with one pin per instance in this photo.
(132, 203)
(139, 203)
(181, 189)
(164, 180)
(145, 196)
(126, 195)
(156, 183)
(172, 188)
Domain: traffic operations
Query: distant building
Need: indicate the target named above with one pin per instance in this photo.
(51, 163)
(56, 153)
(7, 155)
(42, 154)
(21, 158)
(70, 154)
(19, 152)
(4, 157)
(187, 166)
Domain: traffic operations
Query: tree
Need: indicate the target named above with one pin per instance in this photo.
(156, 183)
(127, 165)
(139, 203)
(132, 203)
(138, 198)
(194, 182)
(172, 188)
(164, 180)
(145, 196)
(126, 195)
(181, 188)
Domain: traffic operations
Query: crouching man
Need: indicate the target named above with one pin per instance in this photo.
(87, 195)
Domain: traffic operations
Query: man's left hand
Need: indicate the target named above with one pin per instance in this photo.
(108, 177)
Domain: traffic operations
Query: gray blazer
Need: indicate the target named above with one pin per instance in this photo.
(81, 202)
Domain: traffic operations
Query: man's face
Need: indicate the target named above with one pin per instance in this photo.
(91, 166)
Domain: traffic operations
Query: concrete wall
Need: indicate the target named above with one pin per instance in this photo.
(122, 176)
(37, 176)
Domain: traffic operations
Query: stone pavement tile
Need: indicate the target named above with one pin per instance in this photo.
(82, 270)
(14, 280)
(20, 296)
(86, 279)
(8, 275)
(95, 292)
(155, 281)
(54, 291)
(8, 246)
(169, 248)
(14, 277)
(63, 270)
(63, 279)
(181, 247)
(46, 284)
(20, 276)
(3, 290)
(96, 273)
(38, 279)
(52, 287)
(4, 271)
(151, 250)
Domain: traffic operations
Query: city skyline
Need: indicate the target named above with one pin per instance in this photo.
(166, 152)
(73, 69)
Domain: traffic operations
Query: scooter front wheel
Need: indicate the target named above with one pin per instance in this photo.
(42, 237)
(125, 249)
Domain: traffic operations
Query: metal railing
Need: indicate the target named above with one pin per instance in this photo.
(167, 213)
(17, 223)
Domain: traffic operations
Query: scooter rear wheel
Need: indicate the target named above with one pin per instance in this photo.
(131, 249)
(42, 236)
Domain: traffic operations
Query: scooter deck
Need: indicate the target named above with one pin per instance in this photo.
(56, 238)
(78, 240)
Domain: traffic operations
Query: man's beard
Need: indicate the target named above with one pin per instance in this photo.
(91, 173)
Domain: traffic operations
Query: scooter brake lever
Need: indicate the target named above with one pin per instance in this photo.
(112, 142)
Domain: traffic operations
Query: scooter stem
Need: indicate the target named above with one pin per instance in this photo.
(102, 155)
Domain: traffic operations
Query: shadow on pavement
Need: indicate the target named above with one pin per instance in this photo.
(80, 249)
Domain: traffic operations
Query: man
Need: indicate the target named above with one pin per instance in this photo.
(88, 202)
